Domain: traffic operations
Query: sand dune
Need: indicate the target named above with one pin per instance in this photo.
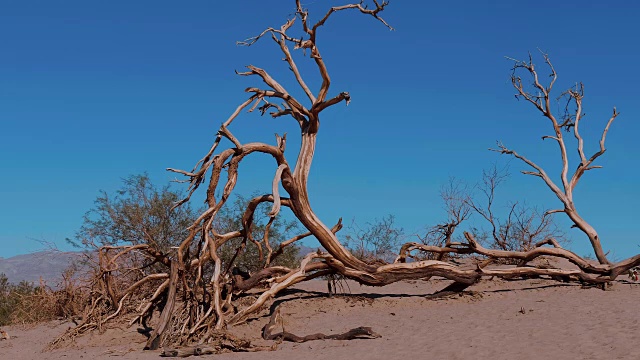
(497, 319)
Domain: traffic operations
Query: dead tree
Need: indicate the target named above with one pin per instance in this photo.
(375, 241)
(522, 227)
(204, 297)
(539, 95)
(454, 195)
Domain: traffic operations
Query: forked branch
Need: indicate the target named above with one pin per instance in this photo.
(540, 97)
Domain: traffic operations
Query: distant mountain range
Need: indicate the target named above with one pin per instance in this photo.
(305, 250)
(30, 267)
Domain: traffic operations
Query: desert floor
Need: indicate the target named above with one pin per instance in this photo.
(496, 319)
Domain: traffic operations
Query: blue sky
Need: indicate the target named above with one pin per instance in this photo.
(91, 92)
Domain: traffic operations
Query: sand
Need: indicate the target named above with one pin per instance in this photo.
(532, 319)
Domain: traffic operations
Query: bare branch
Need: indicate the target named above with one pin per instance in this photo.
(343, 96)
(292, 65)
(542, 101)
(373, 12)
(540, 172)
(549, 212)
(275, 190)
(585, 165)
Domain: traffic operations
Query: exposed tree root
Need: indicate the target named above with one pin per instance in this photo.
(165, 317)
(223, 342)
(276, 319)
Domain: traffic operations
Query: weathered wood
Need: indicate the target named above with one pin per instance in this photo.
(361, 332)
(189, 351)
(155, 339)
(221, 342)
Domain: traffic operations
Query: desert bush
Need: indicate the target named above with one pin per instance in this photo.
(139, 212)
(10, 297)
(520, 227)
(132, 236)
(515, 226)
(376, 240)
(248, 258)
(27, 303)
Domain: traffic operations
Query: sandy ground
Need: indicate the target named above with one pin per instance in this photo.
(533, 319)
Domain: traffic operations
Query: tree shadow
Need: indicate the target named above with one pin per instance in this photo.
(293, 294)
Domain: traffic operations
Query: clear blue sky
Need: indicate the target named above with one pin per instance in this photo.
(93, 91)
